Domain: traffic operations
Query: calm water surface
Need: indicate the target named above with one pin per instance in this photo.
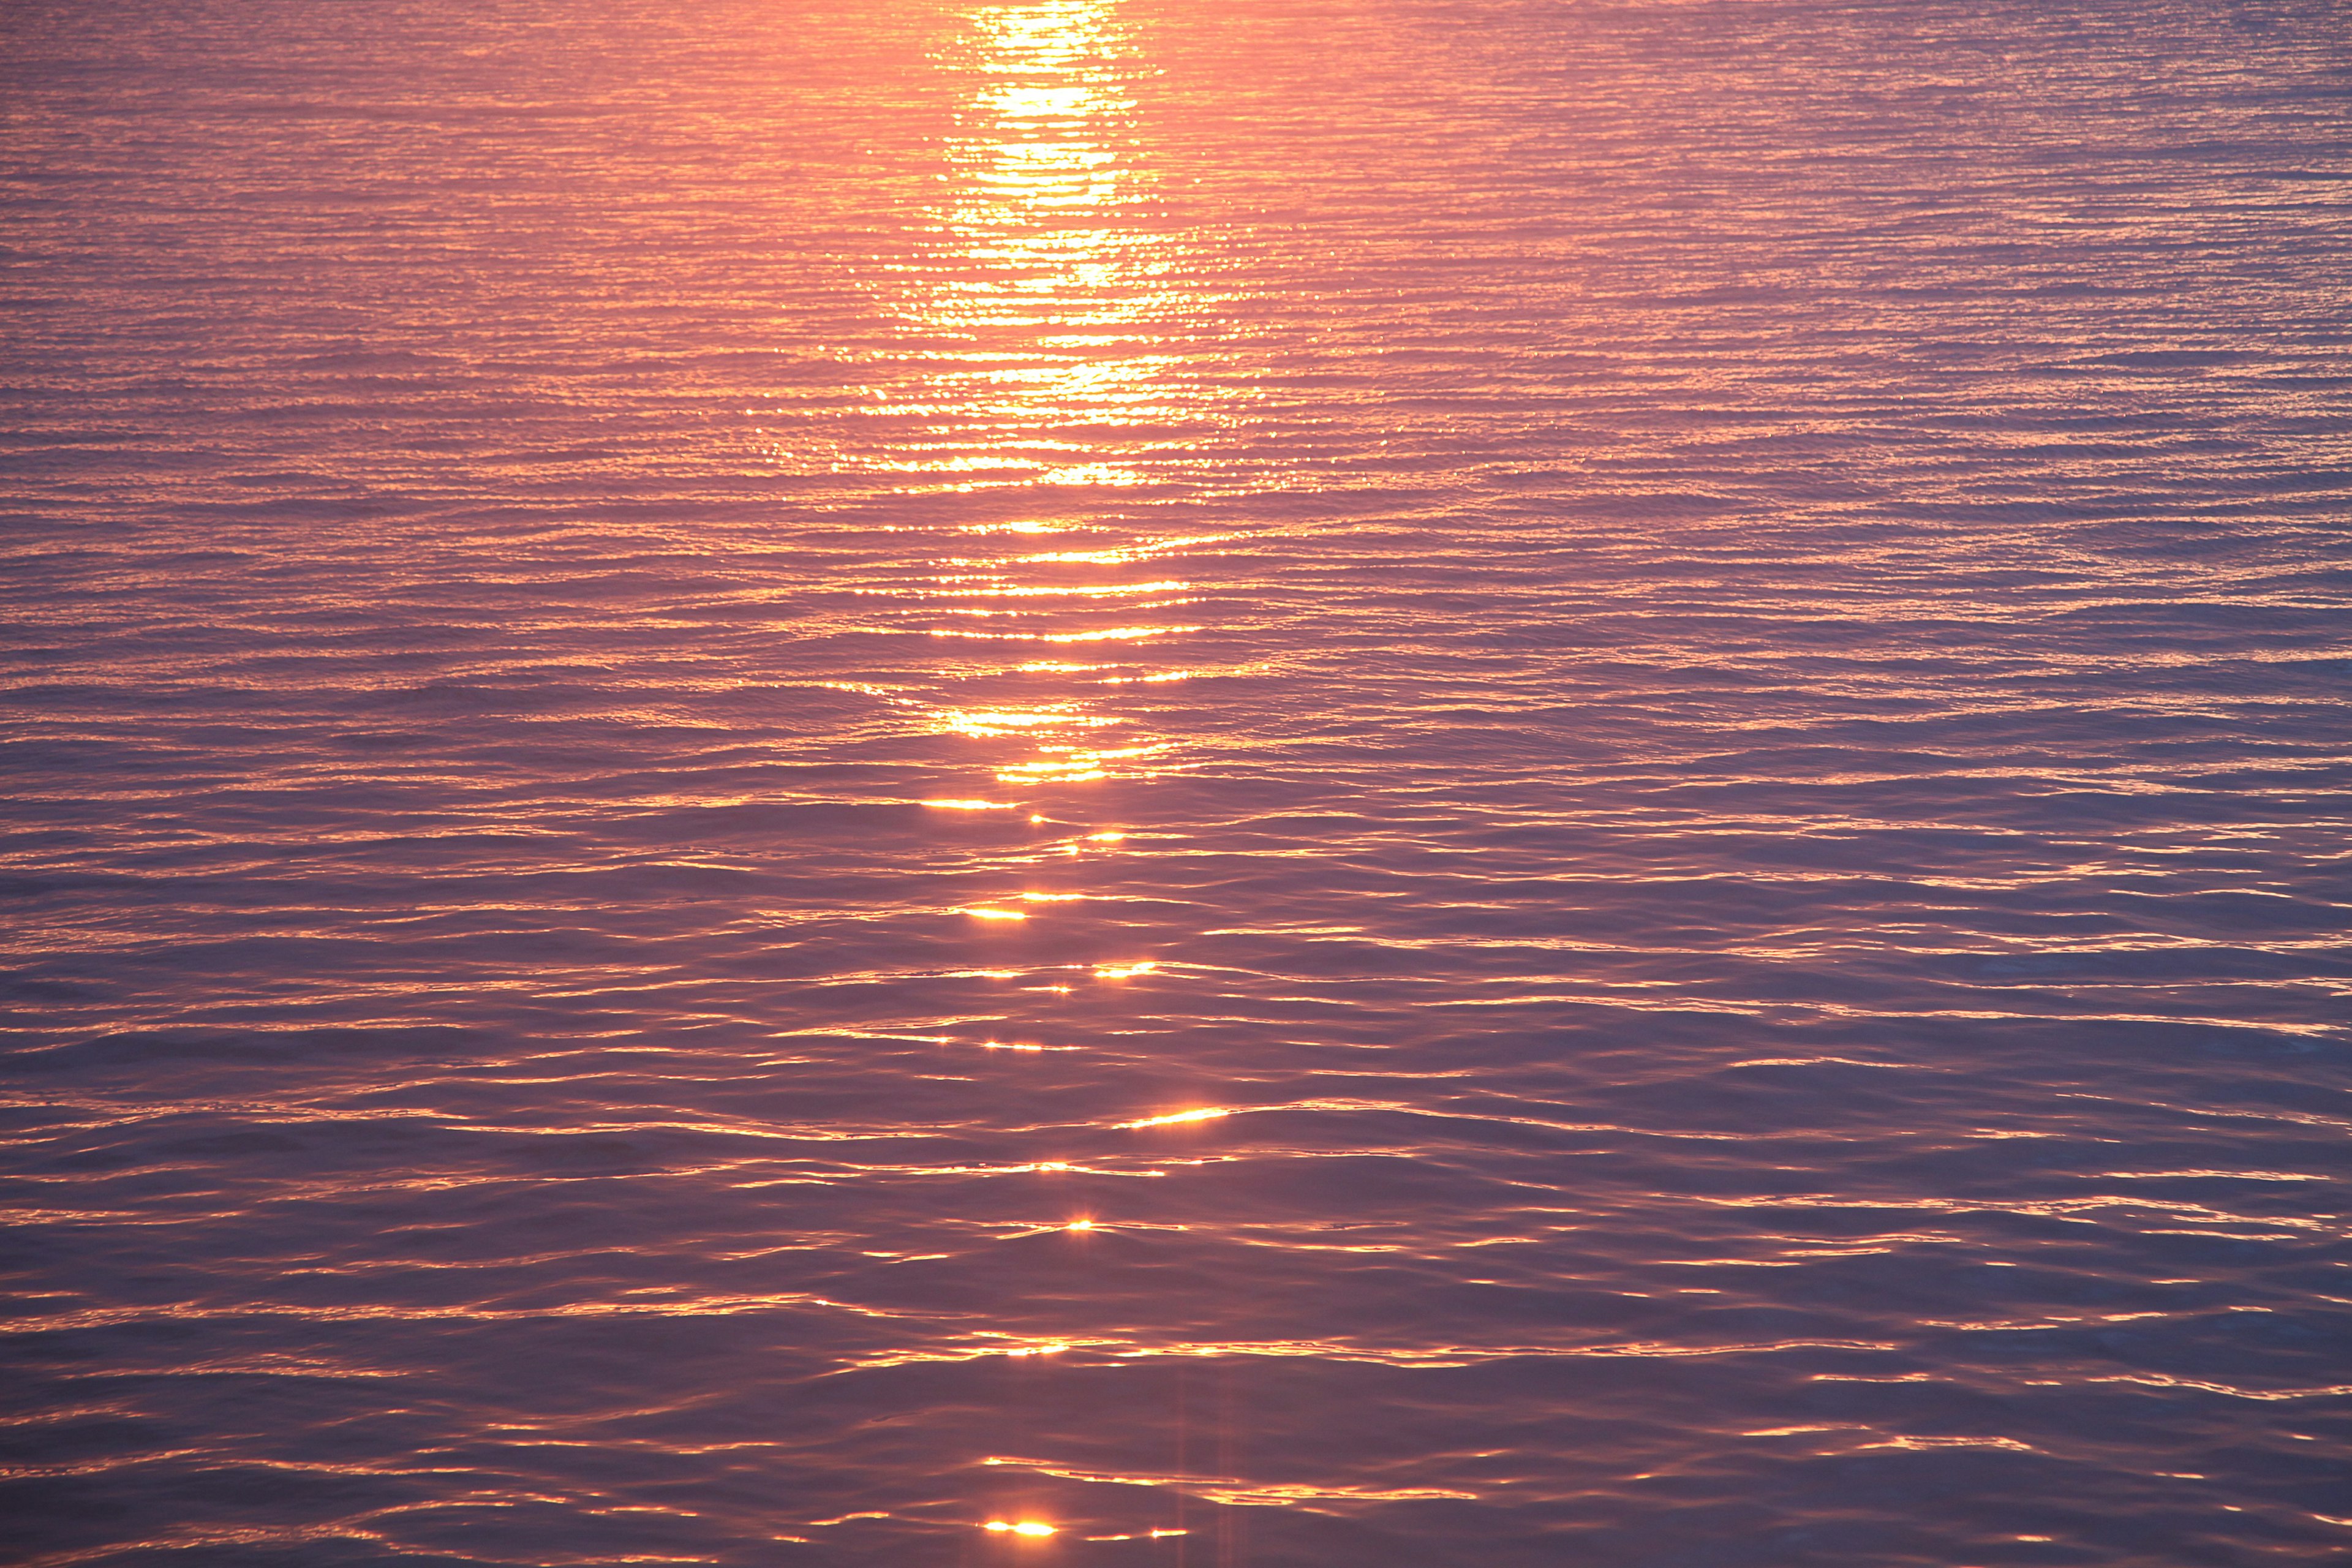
(1461, 784)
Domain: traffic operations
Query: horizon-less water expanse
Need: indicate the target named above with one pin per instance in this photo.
(1452, 784)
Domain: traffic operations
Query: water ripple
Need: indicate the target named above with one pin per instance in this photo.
(1470, 782)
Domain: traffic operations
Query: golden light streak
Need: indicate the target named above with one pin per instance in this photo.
(1050, 591)
(1171, 1120)
(1053, 323)
(1114, 634)
(1233, 1490)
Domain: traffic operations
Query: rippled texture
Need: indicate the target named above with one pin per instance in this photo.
(1476, 783)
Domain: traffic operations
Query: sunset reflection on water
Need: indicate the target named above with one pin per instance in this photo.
(1046, 314)
(1041, 317)
(1164, 783)
(1056, 294)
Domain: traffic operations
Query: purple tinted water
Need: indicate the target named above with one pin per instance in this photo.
(1475, 783)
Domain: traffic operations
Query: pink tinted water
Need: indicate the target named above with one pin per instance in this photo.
(1314, 785)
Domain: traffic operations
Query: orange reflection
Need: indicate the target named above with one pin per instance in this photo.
(1056, 301)
(1232, 1490)
(1052, 322)
(1170, 1120)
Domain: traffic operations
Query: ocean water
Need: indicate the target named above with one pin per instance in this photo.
(1454, 783)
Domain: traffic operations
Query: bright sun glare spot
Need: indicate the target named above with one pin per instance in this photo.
(1080, 1225)
(1122, 971)
(1026, 1527)
(1209, 1115)
(989, 914)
